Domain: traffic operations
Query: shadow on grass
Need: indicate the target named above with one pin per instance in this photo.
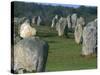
(46, 34)
(51, 41)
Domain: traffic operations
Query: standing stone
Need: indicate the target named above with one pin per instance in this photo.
(33, 20)
(69, 22)
(89, 38)
(54, 21)
(30, 55)
(38, 21)
(74, 20)
(61, 25)
(26, 30)
(78, 30)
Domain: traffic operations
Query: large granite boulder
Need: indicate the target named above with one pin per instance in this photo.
(89, 38)
(30, 55)
(79, 29)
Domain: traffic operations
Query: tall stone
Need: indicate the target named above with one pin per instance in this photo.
(61, 25)
(38, 21)
(74, 20)
(89, 38)
(33, 20)
(54, 20)
(69, 22)
(79, 29)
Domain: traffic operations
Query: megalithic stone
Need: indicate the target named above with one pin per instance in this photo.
(26, 30)
(89, 38)
(61, 25)
(78, 33)
(79, 30)
(30, 55)
(33, 20)
(74, 20)
(69, 22)
(54, 21)
(38, 21)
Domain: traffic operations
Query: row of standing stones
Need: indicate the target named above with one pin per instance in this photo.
(83, 33)
(30, 53)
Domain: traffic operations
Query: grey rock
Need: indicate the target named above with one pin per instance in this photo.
(61, 25)
(33, 20)
(54, 21)
(79, 29)
(38, 21)
(30, 54)
(69, 22)
(74, 20)
(16, 39)
(89, 38)
(26, 30)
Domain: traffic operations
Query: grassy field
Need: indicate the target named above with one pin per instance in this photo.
(64, 53)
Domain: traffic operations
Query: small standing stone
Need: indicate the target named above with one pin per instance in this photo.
(38, 21)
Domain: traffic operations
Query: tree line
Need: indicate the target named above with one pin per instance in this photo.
(47, 12)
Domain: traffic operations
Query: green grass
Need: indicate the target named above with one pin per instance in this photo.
(64, 53)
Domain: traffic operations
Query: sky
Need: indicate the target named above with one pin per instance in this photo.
(65, 5)
(60, 4)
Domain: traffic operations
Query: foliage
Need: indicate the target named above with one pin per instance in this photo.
(47, 12)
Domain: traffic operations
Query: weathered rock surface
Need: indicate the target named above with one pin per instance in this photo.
(33, 20)
(61, 25)
(79, 30)
(90, 38)
(38, 21)
(69, 22)
(26, 30)
(30, 55)
(74, 20)
(54, 20)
